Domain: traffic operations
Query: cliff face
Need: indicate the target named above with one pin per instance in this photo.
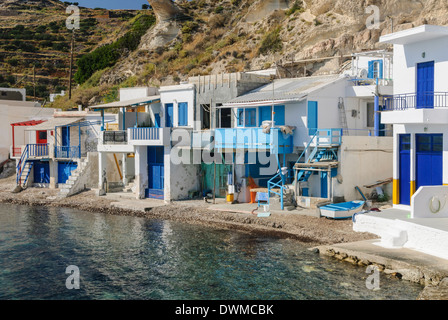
(228, 36)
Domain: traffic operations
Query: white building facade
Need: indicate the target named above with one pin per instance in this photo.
(418, 110)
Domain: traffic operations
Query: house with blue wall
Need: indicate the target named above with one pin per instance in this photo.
(300, 124)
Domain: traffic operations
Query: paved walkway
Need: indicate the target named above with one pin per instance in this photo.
(412, 265)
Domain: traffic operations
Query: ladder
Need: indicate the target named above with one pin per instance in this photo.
(343, 116)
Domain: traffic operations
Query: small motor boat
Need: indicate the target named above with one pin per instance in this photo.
(343, 210)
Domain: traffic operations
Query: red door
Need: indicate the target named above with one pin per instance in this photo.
(41, 137)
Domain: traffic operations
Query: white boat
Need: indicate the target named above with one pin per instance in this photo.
(343, 210)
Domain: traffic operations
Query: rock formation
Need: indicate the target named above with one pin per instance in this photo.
(165, 10)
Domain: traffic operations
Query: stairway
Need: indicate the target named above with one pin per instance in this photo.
(130, 187)
(324, 146)
(76, 182)
(275, 202)
(23, 173)
(319, 154)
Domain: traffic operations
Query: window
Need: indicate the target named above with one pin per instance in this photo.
(375, 69)
(183, 114)
(429, 142)
(247, 117)
(240, 117)
(42, 135)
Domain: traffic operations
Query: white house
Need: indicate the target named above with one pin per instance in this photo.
(150, 122)
(14, 117)
(418, 109)
(307, 126)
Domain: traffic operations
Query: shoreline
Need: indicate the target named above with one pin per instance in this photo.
(310, 231)
(317, 234)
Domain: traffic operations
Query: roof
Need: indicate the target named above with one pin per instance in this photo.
(422, 33)
(52, 123)
(128, 103)
(283, 91)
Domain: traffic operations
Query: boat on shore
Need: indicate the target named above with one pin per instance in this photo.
(343, 210)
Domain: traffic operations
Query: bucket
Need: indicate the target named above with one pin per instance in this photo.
(230, 197)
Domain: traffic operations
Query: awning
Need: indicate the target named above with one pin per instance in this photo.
(52, 123)
(28, 123)
(134, 103)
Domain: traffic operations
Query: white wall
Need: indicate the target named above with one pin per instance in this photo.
(136, 92)
(406, 58)
(13, 114)
(175, 95)
(363, 161)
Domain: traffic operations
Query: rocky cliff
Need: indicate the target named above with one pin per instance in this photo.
(238, 35)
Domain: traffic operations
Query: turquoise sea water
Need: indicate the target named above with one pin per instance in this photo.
(134, 258)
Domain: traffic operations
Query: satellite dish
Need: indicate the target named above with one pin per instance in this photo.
(363, 74)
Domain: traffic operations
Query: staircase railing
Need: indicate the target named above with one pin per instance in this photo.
(21, 164)
(278, 181)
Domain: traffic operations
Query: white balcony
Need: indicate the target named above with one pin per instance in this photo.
(149, 136)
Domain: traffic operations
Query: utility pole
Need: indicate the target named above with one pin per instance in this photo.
(34, 82)
(71, 66)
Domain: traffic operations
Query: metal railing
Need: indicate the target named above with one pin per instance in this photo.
(67, 152)
(144, 133)
(38, 150)
(115, 137)
(426, 100)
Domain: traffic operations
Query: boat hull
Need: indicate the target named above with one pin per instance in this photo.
(342, 210)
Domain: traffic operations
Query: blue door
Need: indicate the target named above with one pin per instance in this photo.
(312, 117)
(155, 173)
(425, 85)
(169, 114)
(65, 171)
(65, 136)
(324, 185)
(405, 169)
(41, 172)
(429, 162)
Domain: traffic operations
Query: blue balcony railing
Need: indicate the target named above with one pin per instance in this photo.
(426, 100)
(67, 152)
(253, 138)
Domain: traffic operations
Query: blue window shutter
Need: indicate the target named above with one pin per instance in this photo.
(380, 65)
(183, 114)
(250, 117)
(312, 117)
(169, 115)
(279, 116)
(264, 114)
(371, 69)
(240, 117)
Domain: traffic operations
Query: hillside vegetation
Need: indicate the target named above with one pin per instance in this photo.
(299, 37)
